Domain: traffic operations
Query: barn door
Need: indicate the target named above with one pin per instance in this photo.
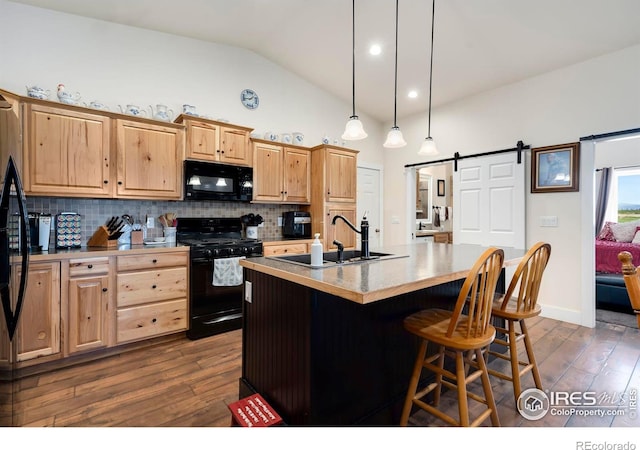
(489, 201)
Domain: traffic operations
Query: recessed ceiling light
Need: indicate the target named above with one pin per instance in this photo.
(412, 94)
(375, 49)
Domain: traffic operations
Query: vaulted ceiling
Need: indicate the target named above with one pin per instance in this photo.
(478, 44)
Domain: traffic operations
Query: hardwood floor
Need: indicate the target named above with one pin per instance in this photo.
(189, 383)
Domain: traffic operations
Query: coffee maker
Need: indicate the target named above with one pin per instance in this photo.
(39, 231)
(296, 224)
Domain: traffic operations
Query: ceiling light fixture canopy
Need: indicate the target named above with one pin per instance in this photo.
(394, 138)
(354, 130)
(428, 147)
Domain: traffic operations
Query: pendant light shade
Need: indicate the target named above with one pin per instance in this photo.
(394, 138)
(428, 147)
(354, 130)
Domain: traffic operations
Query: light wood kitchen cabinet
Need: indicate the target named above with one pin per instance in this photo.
(445, 237)
(10, 131)
(333, 192)
(281, 173)
(151, 297)
(209, 140)
(340, 174)
(276, 248)
(38, 333)
(67, 152)
(340, 231)
(89, 304)
(149, 160)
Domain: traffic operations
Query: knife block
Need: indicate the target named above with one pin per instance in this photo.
(101, 238)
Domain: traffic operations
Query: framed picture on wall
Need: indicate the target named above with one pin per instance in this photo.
(440, 188)
(555, 168)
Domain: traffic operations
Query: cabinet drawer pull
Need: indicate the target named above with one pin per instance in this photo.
(120, 183)
(154, 261)
(104, 289)
(153, 286)
(90, 266)
(154, 320)
(106, 181)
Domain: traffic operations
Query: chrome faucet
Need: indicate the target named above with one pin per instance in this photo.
(364, 232)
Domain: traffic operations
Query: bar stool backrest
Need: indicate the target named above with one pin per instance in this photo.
(477, 293)
(527, 277)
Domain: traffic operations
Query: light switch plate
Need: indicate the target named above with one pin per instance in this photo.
(247, 292)
(548, 221)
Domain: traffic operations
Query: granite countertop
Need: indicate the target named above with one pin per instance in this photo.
(420, 266)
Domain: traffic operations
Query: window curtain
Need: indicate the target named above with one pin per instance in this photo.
(602, 199)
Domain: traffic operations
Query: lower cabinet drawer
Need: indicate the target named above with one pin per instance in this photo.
(135, 288)
(287, 249)
(154, 319)
(88, 266)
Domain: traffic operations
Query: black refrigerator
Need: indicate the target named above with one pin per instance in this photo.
(14, 264)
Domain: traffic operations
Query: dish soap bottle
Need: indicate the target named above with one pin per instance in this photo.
(316, 252)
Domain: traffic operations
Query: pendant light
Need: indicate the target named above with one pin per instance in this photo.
(394, 138)
(354, 130)
(428, 147)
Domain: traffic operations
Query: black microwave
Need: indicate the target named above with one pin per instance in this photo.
(213, 181)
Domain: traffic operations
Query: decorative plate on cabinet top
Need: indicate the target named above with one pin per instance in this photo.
(249, 99)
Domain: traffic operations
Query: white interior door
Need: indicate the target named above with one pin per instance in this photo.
(370, 201)
(489, 201)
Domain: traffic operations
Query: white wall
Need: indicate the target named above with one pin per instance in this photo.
(119, 65)
(597, 96)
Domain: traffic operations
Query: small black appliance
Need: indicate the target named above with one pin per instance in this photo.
(296, 224)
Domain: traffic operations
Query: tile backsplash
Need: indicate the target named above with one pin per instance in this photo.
(96, 212)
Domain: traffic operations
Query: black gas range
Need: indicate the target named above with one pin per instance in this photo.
(216, 279)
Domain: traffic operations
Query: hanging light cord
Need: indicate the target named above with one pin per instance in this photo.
(395, 92)
(433, 13)
(353, 46)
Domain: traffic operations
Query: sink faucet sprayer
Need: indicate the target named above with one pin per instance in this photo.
(364, 232)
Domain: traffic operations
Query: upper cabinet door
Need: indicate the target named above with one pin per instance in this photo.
(67, 153)
(341, 173)
(267, 173)
(297, 175)
(202, 140)
(234, 146)
(149, 160)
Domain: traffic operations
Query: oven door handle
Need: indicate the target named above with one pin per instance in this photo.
(224, 318)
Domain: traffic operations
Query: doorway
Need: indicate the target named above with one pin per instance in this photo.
(370, 202)
(611, 149)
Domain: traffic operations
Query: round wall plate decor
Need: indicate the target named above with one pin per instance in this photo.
(249, 99)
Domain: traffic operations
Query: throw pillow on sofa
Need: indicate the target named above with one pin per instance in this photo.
(636, 238)
(606, 234)
(624, 232)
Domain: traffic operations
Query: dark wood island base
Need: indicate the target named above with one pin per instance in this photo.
(321, 360)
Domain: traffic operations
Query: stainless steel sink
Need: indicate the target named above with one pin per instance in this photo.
(330, 259)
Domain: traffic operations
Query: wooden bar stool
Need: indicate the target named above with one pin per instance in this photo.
(520, 302)
(631, 277)
(458, 334)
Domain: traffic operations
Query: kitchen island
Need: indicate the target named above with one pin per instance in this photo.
(327, 346)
